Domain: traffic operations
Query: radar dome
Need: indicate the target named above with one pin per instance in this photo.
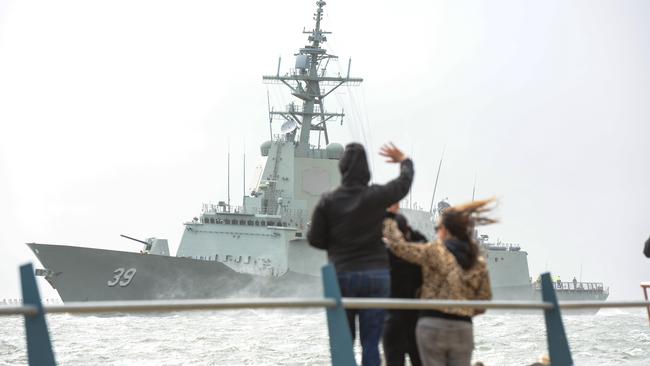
(334, 151)
(265, 148)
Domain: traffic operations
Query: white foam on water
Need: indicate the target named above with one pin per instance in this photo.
(292, 337)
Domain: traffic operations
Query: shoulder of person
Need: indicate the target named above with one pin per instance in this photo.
(439, 246)
(480, 265)
(330, 195)
(325, 201)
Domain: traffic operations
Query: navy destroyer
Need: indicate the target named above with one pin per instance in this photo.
(260, 248)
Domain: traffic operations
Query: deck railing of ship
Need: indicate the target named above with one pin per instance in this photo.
(39, 346)
(575, 286)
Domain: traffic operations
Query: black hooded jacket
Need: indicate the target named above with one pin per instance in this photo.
(405, 277)
(347, 222)
(461, 250)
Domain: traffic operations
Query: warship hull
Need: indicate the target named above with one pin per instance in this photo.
(89, 274)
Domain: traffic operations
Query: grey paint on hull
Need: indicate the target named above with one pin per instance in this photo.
(84, 274)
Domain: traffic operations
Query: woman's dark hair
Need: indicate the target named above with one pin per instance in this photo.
(460, 222)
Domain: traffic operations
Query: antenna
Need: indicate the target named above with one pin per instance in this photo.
(228, 175)
(288, 126)
(435, 185)
(580, 272)
(268, 106)
(244, 172)
(412, 155)
(309, 83)
(474, 188)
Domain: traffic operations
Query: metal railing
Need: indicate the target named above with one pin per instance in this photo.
(39, 347)
(576, 286)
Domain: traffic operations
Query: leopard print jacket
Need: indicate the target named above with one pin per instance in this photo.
(442, 277)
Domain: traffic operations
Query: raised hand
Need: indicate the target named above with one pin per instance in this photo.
(391, 152)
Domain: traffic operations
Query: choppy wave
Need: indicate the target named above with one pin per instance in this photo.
(290, 337)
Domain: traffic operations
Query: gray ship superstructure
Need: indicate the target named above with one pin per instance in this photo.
(508, 267)
(259, 248)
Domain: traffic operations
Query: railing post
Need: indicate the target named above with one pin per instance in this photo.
(39, 346)
(558, 345)
(645, 286)
(337, 321)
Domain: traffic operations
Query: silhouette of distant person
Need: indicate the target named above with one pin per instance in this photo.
(347, 222)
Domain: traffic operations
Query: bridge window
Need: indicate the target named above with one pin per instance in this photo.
(263, 223)
(257, 223)
(242, 222)
(227, 221)
(250, 222)
(212, 220)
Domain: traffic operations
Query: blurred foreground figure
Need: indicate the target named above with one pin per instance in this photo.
(452, 270)
(646, 250)
(347, 222)
(405, 282)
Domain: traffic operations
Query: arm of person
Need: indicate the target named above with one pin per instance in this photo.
(396, 189)
(318, 234)
(484, 292)
(410, 252)
(485, 289)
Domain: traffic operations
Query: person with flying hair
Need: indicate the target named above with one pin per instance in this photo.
(452, 269)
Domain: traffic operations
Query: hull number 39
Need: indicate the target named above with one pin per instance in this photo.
(122, 276)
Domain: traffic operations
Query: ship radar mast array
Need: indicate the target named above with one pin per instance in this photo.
(309, 82)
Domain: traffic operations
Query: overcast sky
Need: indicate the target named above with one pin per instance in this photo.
(115, 116)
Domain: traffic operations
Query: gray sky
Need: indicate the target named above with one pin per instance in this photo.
(115, 116)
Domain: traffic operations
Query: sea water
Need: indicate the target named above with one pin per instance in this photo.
(299, 337)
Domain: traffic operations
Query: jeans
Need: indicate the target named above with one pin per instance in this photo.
(370, 283)
(444, 342)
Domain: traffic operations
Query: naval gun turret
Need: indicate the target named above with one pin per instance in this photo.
(152, 245)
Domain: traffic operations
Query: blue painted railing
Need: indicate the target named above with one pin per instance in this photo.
(40, 352)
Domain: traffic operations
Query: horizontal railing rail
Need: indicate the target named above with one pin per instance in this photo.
(39, 347)
(290, 302)
(294, 303)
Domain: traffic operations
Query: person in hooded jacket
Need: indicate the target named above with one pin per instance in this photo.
(405, 282)
(452, 269)
(347, 222)
(646, 249)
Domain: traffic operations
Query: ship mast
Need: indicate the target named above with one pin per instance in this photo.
(308, 82)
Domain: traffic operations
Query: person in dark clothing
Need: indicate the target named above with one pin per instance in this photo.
(452, 269)
(405, 282)
(347, 222)
(646, 250)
